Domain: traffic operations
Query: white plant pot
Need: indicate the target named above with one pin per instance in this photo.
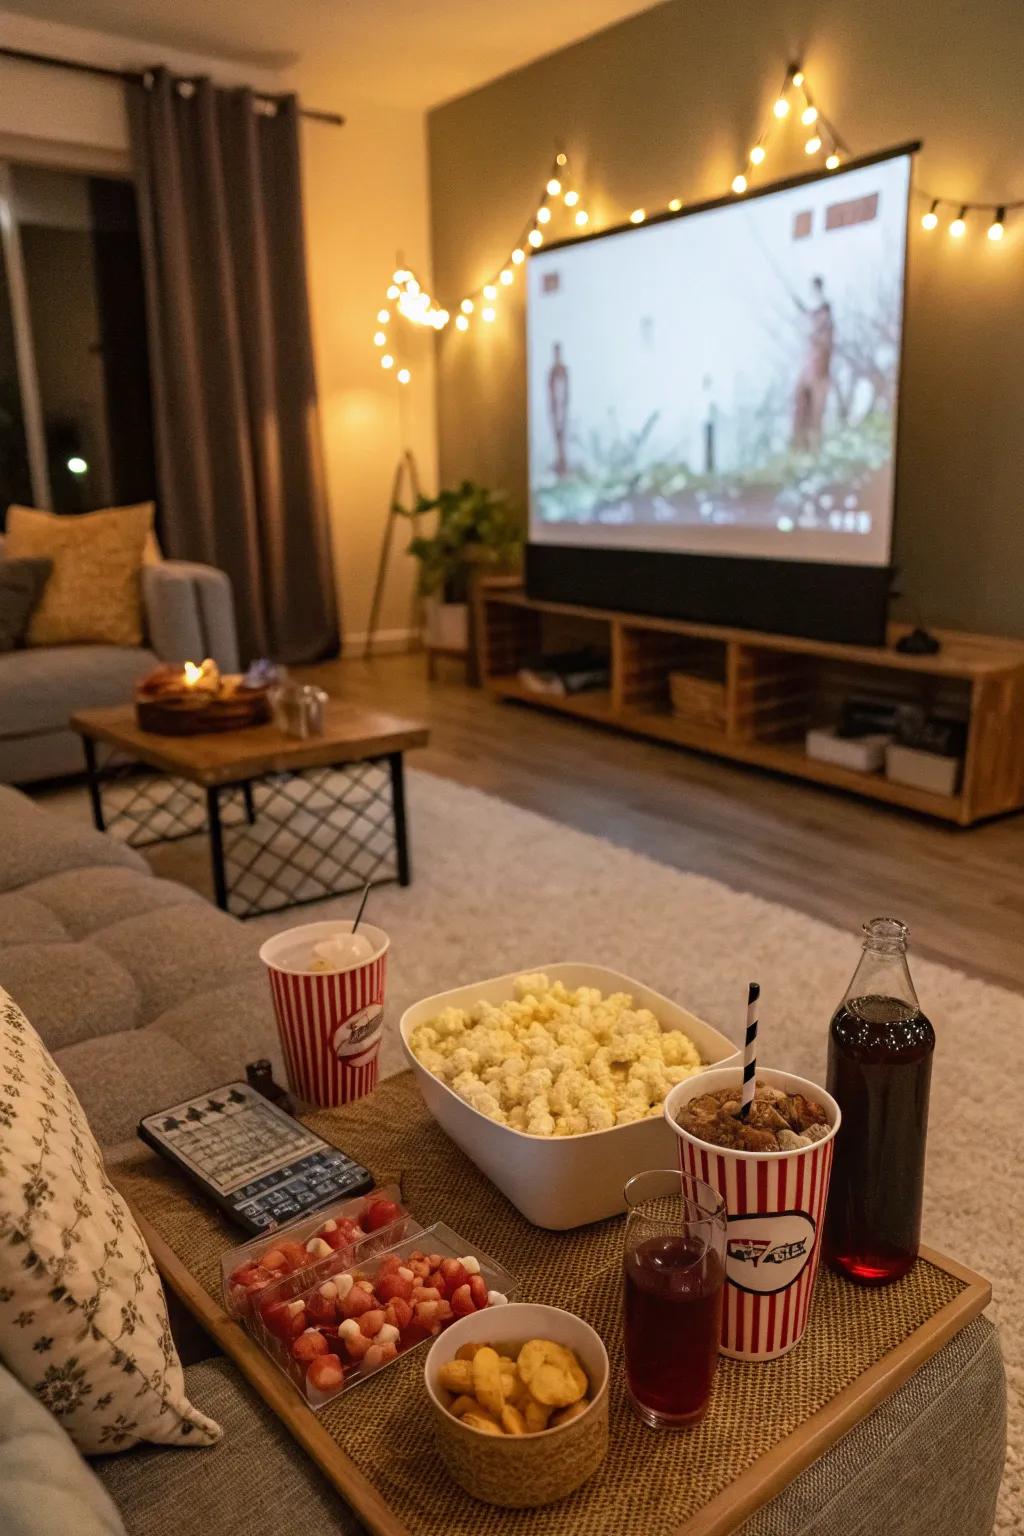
(446, 624)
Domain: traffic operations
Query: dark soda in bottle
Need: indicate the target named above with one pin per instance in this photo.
(879, 1070)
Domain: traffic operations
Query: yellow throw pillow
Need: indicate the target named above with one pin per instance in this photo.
(94, 594)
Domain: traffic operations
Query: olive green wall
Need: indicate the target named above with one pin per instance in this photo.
(667, 104)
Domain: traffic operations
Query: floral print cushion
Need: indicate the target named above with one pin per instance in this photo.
(83, 1321)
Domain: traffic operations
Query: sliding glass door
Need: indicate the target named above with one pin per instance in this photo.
(75, 414)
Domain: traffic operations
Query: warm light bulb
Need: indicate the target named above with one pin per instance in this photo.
(781, 107)
(518, 257)
(959, 224)
(739, 184)
(813, 145)
(582, 217)
(553, 187)
(543, 215)
(461, 323)
(467, 306)
(637, 216)
(571, 199)
(442, 319)
(675, 205)
(393, 292)
(757, 154)
(561, 159)
(412, 286)
(403, 375)
(798, 78)
(506, 276)
(383, 316)
(490, 292)
(488, 313)
(536, 238)
(809, 115)
(832, 163)
(995, 229)
(931, 218)
(77, 464)
(379, 338)
(387, 361)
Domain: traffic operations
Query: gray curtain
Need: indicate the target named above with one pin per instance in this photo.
(239, 458)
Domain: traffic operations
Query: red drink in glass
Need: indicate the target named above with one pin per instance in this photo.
(673, 1315)
(674, 1268)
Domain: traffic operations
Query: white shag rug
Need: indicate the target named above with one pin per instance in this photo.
(496, 888)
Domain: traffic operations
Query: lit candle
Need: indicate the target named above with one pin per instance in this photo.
(193, 674)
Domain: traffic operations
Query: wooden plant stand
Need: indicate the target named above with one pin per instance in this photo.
(775, 687)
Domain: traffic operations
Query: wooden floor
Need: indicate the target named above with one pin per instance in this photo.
(824, 852)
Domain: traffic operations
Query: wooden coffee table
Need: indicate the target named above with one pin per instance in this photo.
(289, 821)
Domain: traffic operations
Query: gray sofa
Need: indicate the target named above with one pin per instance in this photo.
(145, 994)
(188, 613)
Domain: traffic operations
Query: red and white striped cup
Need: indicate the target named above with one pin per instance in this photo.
(330, 1022)
(776, 1206)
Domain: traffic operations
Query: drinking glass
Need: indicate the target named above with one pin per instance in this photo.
(674, 1264)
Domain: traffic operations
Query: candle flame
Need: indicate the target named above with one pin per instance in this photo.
(192, 674)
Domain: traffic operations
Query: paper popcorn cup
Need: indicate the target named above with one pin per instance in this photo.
(776, 1206)
(330, 1022)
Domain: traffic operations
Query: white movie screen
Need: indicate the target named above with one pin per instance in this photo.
(725, 382)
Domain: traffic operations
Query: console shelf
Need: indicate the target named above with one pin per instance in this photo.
(771, 687)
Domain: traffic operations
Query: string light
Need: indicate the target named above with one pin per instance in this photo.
(415, 304)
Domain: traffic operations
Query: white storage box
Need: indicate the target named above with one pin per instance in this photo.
(866, 754)
(559, 1181)
(923, 770)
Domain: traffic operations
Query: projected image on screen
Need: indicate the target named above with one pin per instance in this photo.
(725, 383)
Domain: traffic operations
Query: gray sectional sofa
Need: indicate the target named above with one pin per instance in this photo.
(189, 614)
(145, 993)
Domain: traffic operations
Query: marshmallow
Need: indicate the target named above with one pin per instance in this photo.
(330, 1226)
(295, 1307)
(406, 1274)
(318, 1248)
(344, 1283)
(470, 1264)
(388, 1334)
(496, 1299)
(349, 1329)
(329, 1291)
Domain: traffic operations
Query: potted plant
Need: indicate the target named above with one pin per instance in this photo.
(475, 527)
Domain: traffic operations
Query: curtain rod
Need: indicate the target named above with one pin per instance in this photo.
(138, 77)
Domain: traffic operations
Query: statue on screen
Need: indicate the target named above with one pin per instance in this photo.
(558, 408)
(813, 383)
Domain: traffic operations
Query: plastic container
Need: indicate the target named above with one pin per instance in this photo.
(239, 1300)
(559, 1182)
(439, 1239)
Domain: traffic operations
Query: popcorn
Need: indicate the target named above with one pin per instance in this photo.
(556, 1062)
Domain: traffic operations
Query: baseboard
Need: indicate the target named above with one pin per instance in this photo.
(385, 641)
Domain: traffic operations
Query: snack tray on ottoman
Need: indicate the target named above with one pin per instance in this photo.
(765, 1425)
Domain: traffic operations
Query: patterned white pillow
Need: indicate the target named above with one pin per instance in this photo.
(83, 1321)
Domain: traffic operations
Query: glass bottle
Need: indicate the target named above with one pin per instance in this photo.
(879, 1069)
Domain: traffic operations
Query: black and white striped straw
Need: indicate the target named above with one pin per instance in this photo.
(750, 1051)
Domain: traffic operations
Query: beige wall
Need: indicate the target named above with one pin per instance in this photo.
(666, 104)
(366, 190)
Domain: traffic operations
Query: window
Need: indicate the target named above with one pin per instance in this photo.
(75, 413)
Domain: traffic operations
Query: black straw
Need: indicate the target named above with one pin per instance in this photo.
(359, 915)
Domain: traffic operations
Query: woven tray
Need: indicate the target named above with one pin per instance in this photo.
(766, 1422)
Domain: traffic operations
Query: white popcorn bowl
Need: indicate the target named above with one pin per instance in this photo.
(559, 1182)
